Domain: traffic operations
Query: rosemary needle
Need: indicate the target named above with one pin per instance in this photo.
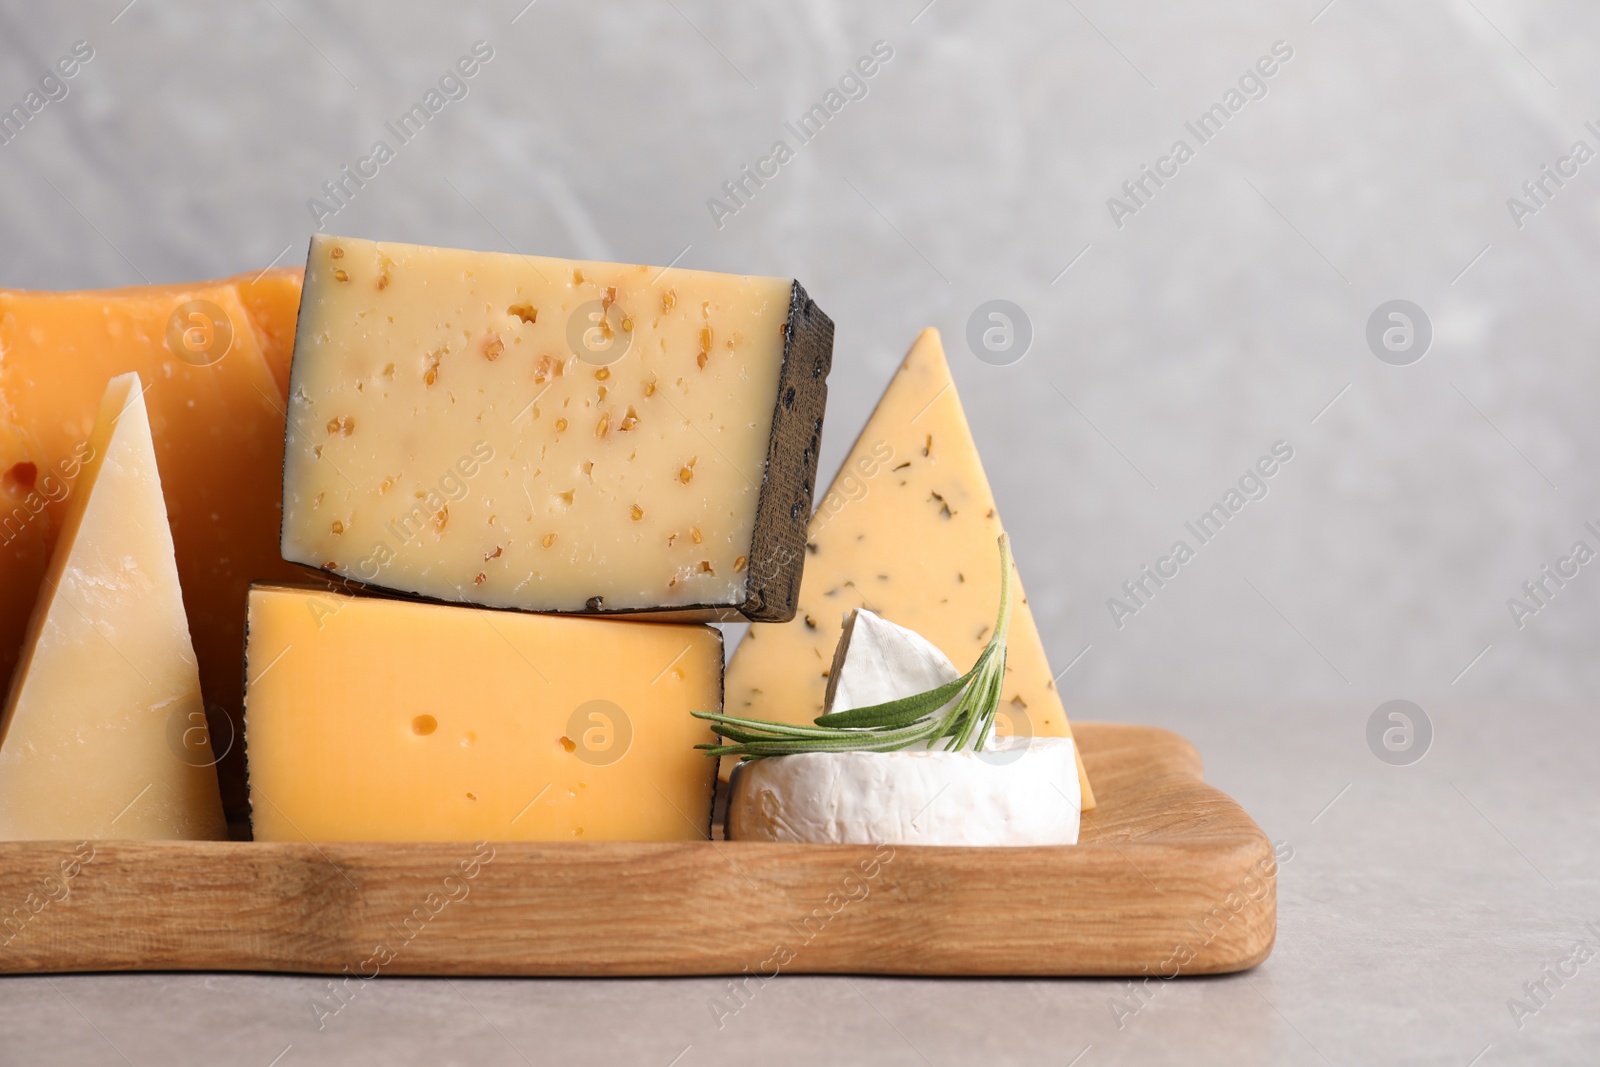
(895, 724)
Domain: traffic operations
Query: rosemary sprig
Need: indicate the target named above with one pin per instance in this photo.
(893, 725)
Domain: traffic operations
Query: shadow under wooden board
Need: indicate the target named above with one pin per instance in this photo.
(1171, 876)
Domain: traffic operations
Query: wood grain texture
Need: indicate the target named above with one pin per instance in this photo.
(1171, 875)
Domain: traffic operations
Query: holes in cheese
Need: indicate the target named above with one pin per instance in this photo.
(906, 530)
(548, 435)
(103, 734)
(371, 719)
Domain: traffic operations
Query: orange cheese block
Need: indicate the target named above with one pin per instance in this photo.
(216, 415)
(272, 298)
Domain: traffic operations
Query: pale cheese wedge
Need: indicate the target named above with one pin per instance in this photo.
(103, 735)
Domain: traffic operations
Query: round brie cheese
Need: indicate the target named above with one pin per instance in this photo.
(1017, 791)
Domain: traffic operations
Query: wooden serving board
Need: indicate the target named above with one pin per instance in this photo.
(1171, 876)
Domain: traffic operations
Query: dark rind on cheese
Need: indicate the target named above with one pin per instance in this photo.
(246, 816)
(684, 613)
(783, 506)
(783, 511)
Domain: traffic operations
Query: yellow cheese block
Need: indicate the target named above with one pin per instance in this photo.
(103, 734)
(389, 720)
(908, 530)
(218, 427)
(553, 435)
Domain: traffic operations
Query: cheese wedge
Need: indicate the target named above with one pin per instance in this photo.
(217, 421)
(1018, 791)
(907, 530)
(553, 435)
(877, 661)
(103, 734)
(390, 720)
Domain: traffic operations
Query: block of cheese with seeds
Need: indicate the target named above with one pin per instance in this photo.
(206, 352)
(551, 435)
(371, 719)
(907, 530)
(104, 732)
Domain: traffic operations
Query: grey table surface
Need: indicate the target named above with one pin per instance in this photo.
(1177, 332)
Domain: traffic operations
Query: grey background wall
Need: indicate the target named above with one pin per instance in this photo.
(1219, 318)
(1174, 341)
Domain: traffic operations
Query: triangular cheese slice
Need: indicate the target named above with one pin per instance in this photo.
(103, 733)
(908, 530)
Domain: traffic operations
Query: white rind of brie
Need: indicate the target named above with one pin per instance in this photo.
(1017, 791)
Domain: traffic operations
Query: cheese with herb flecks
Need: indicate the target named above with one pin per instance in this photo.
(553, 435)
(907, 530)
